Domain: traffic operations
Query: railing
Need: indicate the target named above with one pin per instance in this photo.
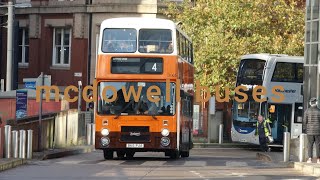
(59, 130)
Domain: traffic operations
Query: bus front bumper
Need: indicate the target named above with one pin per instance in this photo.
(152, 141)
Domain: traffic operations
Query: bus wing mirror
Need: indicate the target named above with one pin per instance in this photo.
(91, 104)
(272, 108)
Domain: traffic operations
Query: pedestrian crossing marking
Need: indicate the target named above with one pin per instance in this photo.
(69, 162)
(112, 162)
(236, 164)
(153, 163)
(195, 163)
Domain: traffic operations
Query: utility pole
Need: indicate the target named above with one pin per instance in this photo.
(40, 115)
(9, 46)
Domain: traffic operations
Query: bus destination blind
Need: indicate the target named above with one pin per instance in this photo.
(136, 65)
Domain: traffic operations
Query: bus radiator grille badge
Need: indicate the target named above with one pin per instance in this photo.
(135, 133)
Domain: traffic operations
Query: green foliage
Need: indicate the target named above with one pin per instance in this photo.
(224, 30)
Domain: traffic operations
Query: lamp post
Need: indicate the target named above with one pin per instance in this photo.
(11, 6)
(9, 46)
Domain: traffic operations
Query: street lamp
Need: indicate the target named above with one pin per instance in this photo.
(9, 46)
(10, 7)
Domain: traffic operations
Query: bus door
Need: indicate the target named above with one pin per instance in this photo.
(280, 117)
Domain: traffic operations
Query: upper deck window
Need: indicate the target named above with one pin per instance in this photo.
(288, 72)
(122, 40)
(155, 41)
(250, 72)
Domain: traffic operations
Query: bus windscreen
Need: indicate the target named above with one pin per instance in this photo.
(125, 103)
(250, 72)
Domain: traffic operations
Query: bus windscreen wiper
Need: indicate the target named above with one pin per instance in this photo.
(121, 111)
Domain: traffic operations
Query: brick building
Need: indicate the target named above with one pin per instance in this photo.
(58, 37)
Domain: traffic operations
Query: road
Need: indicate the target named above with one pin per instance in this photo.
(202, 164)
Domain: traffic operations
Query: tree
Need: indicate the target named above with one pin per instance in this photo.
(224, 30)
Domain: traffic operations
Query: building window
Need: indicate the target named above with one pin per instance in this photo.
(23, 51)
(61, 46)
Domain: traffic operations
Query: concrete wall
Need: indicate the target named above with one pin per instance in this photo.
(66, 129)
(8, 108)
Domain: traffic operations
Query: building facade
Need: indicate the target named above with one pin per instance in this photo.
(312, 52)
(59, 37)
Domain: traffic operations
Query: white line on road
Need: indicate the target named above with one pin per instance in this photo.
(153, 163)
(198, 174)
(236, 164)
(68, 162)
(195, 163)
(111, 162)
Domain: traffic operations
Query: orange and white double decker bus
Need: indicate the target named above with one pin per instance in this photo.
(145, 77)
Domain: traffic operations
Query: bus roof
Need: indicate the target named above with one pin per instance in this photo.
(297, 59)
(142, 22)
(279, 57)
(138, 22)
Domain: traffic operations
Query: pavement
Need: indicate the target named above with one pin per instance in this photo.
(303, 167)
(6, 164)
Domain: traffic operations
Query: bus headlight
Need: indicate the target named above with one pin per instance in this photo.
(165, 132)
(165, 141)
(104, 132)
(105, 141)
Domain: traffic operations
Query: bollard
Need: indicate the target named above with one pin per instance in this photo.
(93, 133)
(15, 144)
(7, 143)
(22, 144)
(221, 134)
(286, 146)
(29, 144)
(303, 139)
(89, 134)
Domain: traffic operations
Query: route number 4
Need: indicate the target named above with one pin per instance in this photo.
(154, 67)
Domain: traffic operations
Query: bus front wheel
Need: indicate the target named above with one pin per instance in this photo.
(185, 154)
(107, 154)
(174, 154)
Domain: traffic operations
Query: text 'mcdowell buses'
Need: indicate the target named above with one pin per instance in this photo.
(154, 91)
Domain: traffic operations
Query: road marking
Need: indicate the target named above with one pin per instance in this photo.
(153, 163)
(198, 174)
(239, 174)
(68, 162)
(111, 162)
(236, 164)
(195, 163)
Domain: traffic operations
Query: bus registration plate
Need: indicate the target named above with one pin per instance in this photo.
(135, 145)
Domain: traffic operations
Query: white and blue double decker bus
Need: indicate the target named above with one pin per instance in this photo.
(269, 71)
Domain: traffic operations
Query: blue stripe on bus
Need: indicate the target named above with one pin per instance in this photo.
(244, 130)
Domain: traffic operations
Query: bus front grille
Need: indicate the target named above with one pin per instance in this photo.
(135, 134)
